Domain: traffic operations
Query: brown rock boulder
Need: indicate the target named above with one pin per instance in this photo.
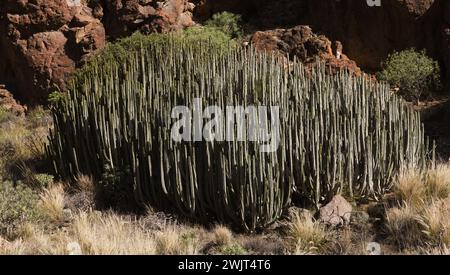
(9, 103)
(337, 212)
(42, 42)
(127, 16)
(305, 45)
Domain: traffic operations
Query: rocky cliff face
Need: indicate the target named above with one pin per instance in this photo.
(368, 34)
(123, 17)
(43, 41)
(9, 103)
(301, 42)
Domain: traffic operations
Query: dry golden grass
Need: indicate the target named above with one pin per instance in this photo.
(418, 189)
(35, 241)
(435, 221)
(51, 203)
(222, 235)
(105, 234)
(423, 219)
(438, 182)
(308, 235)
(435, 251)
(403, 227)
(410, 188)
(167, 242)
(85, 183)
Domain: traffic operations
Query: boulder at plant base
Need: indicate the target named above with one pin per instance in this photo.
(337, 212)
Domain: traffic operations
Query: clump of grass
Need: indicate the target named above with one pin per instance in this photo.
(22, 145)
(403, 227)
(174, 240)
(410, 188)
(308, 235)
(438, 182)
(423, 217)
(105, 234)
(5, 115)
(418, 188)
(222, 235)
(167, 242)
(85, 183)
(435, 221)
(51, 204)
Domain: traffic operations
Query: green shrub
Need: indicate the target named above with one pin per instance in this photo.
(233, 249)
(226, 22)
(413, 72)
(43, 180)
(207, 35)
(18, 204)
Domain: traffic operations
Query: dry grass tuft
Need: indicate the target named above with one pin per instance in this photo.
(222, 235)
(418, 189)
(308, 235)
(410, 188)
(423, 219)
(85, 183)
(105, 234)
(435, 221)
(403, 227)
(175, 240)
(51, 203)
(438, 182)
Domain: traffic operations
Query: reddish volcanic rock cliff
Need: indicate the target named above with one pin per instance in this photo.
(301, 42)
(368, 34)
(43, 41)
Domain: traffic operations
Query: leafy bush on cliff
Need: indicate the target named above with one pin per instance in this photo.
(227, 22)
(413, 72)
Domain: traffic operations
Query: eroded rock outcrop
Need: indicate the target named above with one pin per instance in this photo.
(368, 34)
(8, 102)
(126, 16)
(306, 46)
(42, 42)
